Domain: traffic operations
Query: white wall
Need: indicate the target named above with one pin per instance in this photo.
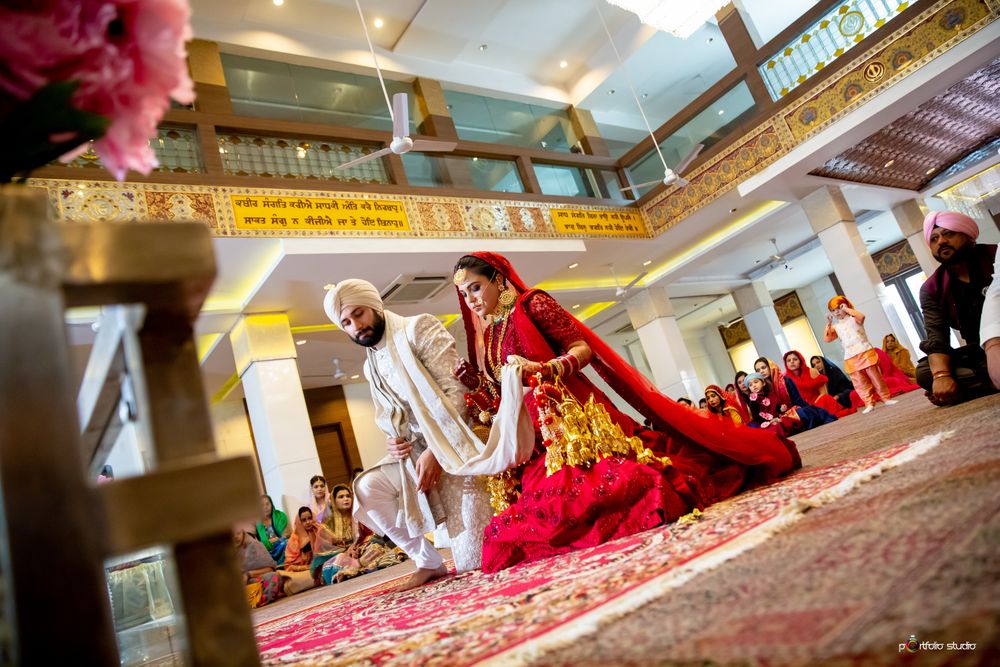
(371, 441)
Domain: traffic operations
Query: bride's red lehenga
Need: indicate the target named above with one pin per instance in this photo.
(577, 507)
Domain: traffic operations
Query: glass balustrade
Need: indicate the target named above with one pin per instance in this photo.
(282, 157)
(176, 148)
(826, 40)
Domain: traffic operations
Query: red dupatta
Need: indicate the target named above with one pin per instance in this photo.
(808, 385)
(747, 446)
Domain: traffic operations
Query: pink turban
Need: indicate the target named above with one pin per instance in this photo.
(952, 220)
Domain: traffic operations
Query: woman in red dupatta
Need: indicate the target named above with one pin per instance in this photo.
(581, 506)
(811, 384)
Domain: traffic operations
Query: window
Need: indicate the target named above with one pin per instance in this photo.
(497, 121)
(708, 127)
(269, 89)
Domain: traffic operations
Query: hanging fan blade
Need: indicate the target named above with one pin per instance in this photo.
(434, 146)
(400, 116)
(681, 182)
(688, 159)
(636, 280)
(642, 185)
(363, 158)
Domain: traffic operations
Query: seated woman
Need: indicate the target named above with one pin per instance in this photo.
(811, 384)
(900, 356)
(263, 583)
(788, 393)
(626, 479)
(321, 503)
(359, 551)
(310, 546)
(838, 384)
(273, 530)
(717, 403)
(894, 377)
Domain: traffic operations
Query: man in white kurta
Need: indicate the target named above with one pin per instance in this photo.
(419, 406)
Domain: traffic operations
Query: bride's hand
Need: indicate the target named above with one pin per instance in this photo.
(530, 368)
(466, 373)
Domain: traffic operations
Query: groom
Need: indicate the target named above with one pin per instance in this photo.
(419, 406)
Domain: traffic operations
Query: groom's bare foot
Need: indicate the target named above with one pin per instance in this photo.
(422, 576)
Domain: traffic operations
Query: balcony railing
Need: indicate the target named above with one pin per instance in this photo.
(281, 157)
(826, 40)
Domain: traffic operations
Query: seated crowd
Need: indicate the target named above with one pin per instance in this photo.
(324, 545)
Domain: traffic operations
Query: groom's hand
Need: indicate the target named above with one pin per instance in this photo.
(428, 471)
(397, 448)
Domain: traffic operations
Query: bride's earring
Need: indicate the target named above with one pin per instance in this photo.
(507, 297)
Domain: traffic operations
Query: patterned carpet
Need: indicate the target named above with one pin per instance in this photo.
(911, 552)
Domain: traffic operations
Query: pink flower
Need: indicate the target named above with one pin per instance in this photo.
(128, 55)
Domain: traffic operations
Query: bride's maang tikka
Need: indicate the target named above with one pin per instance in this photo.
(460, 276)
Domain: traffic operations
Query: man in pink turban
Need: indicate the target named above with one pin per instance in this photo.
(952, 298)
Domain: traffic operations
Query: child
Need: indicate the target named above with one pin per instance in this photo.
(771, 408)
(860, 358)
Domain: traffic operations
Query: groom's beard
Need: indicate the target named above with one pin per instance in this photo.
(371, 336)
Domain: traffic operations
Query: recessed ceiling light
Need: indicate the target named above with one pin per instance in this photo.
(378, 23)
(301, 342)
(574, 265)
(576, 306)
(732, 210)
(278, 3)
(611, 92)
(889, 163)
(563, 64)
(722, 111)
(483, 47)
(355, 377)
(647, 262)
(645, 96)
(930, 171)
(329, 286)
(475, 159)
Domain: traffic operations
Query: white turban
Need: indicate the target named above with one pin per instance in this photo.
(352, 292)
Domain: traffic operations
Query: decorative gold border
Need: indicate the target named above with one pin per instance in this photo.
(429, 217)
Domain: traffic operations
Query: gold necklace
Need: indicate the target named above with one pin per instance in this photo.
(495, 359)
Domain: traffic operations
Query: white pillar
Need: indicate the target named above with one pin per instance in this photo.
(814, 298)
(910, 219)
(265, 360)
(653, 319)
(832, 220)
(754, 303)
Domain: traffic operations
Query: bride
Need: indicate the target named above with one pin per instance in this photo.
(595, 474)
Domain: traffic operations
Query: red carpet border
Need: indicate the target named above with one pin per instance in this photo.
(515, 616)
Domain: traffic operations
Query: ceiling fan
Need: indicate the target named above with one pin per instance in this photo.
(622, 290)
(338, 372)
(399, 112)
(672, 176)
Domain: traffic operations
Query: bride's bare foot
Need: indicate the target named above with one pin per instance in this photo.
(422, 576)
